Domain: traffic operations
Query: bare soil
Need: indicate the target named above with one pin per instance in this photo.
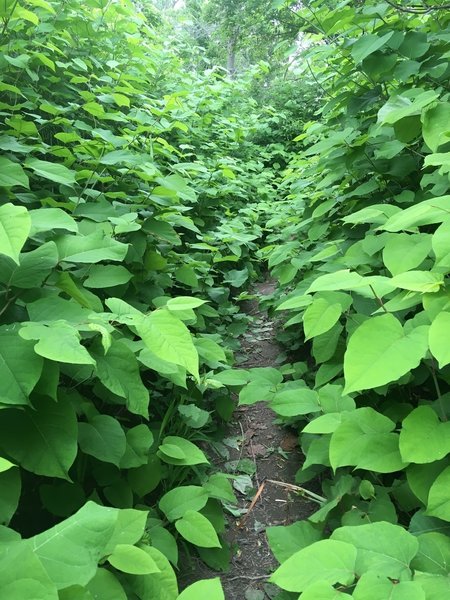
(275, 454)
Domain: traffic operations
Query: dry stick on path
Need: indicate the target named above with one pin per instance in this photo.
(290, 486)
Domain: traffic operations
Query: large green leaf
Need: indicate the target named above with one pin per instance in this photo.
(427, 212)
(440, 243)
(156, 586)
(53, 171)
(198, 530)
(423, 438)
(379, 352)
(329, 561)
(438, 338)
(367, 44)
(373, 586)
(15, 225)
(91, 248)
(169, 339)
(206, 588)
(20, 367)
(439, 498)
(118, 370)
(47, 444)
(435, 121)
(103, 438)
(382, 548)
(176, 450)
(365, 440)
(175, 503)
(285, 541)
(105, 584)
(57, 341)
(71, 551)
(11, 174)
(131, 559)
(320, 316)
(34, 267)
(403, 252)
(46, 219)
(23, 575)
(434, 554)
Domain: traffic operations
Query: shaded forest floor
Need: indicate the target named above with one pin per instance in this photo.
(265, 451)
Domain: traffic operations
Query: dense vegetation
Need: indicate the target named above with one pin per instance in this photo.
(149, 172)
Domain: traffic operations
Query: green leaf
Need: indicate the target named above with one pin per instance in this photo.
(380, 352)
(184, 303)
(15, 224)
(440, 243)
(438, 338)
(438, 498)
(175, 503)
(103, 438)
(323, 591)
(47, 219)
(91, 248)
(435, 121)
(156, 586)
(34, 267)
(130, 559)
(367, 44)
(104, 276)
(340, 280)
(320, 316)
(128, 528)
(20, 367)
(11, 174)
(382, 548)
(364, 440)
(295, 402)
(295, 302)
(58, 341)
(373, 586)
(232, 377)
(328, 561)
(71, 550)
(218, 486)
(403, 252)
(10, 491)
(139, 442)
(428, 212)
(48, 441)
(105, 584)
(284, 541)
(23, 575)
(193, 416)
(197, 529)
(435, 587)
(423, 438)
(52, 171)
(419, 281)
(118, 370)
(169, 339)
(206, 588)
(433, 555)
(178, 451)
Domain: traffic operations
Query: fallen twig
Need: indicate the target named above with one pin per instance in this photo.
(252, 504)
(249, 577)
(299, 490)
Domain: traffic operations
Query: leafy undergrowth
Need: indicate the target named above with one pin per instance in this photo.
(138, 201)
(121, 175)
(361, 253)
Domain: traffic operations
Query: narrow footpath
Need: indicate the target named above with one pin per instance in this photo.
(266, 451)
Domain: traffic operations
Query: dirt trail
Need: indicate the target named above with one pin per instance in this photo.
(272, 450)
